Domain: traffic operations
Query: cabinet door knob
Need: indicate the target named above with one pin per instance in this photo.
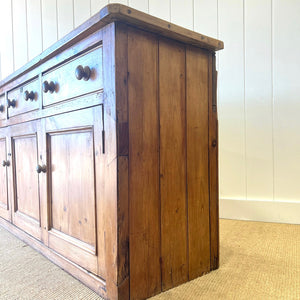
(48, 87)
(29, 95)
(42, 168)
(1, 108)
(11, 103)
(5, 163)
(83, 72)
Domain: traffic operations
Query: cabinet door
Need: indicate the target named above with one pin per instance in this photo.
(74, 143)
(5, 164)
(26, 204)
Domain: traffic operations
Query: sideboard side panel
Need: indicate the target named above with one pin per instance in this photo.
(144, 206)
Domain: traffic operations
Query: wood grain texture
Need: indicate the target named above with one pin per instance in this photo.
(144, 206)
(71, 159)
(197, 161)
(23, 106)
(73, 87)
(72, 172)
(123, 152)
(5, 211)
(24, 179)
(130, 189)
(109, 165)
(213, 166)
(25, 159)
(173, 163)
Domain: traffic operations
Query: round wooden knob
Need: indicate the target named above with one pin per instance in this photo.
(1, 108)
(48, 86)
(214, 143)
(29, 95)
(11, 103)
(83, 72)
(5, 163)
(42, 168)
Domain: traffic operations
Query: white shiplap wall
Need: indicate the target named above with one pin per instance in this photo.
(258, 86)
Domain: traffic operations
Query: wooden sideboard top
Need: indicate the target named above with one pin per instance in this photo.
(119, 13)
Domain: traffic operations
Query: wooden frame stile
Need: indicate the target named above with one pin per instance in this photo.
(121, 56)
(109, 163)
(5, 206)
(213, 165)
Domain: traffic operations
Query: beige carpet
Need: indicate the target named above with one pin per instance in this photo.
(258, 261)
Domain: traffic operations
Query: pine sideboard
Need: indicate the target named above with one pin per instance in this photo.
(109, 153)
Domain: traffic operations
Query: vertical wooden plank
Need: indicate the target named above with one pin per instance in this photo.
(286, 27)
(82, 11)
(197, 161)
(231, 101)
(34, 28)
(173, 163)
(182, 13)
(65, 17)
(144, 206)
(42, 160)
(123, 150)
(206, 17)
(108, 181)
(96, 5)
(160, 9)
(213, 165)
(49, 23)
(19, 32)
(6, 44)
(141, 5)
(258, 100)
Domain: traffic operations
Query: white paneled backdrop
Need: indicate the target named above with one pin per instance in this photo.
(258, 86)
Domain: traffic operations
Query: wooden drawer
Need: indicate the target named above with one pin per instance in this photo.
(62, 84)
(23, 99)
(2, 108)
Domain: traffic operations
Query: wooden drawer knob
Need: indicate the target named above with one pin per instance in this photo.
(11, 103)
(29, 95)
(1, 108)
(83, 72)
(5, 163)
(42, 168)
(48, 86)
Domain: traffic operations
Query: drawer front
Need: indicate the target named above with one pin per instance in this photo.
(2, 108)
(23, 99)
(62, 83)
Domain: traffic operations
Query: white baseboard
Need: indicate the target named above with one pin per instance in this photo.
(264, 211)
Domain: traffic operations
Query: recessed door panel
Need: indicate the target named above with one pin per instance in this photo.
(27, 195)
(73, 198)
(74, 145)
(26, 204)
